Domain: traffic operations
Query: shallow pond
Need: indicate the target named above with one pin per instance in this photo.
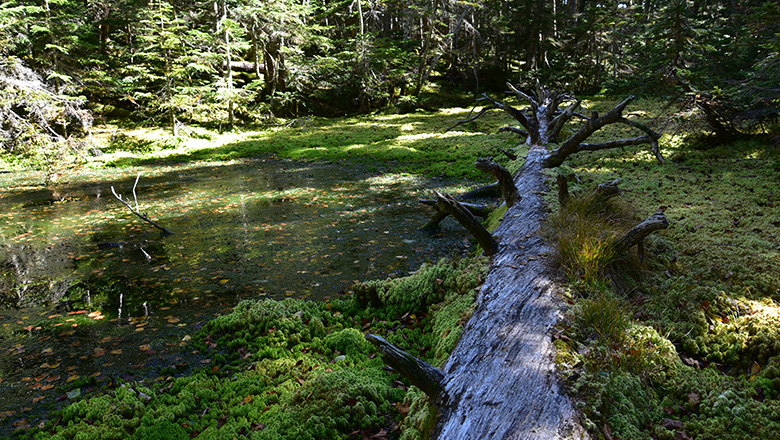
(92, 294)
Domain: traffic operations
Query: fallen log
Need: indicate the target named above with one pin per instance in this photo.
(501, 382)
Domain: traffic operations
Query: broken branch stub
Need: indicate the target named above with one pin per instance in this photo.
(420, 373)
(638, 233)
(505, 180)
(446, 203)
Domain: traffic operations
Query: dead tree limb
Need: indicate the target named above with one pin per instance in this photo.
(420, 373)
(609, 189)
(446, 203)
(513, 129)
(472, 118)
(491, 190)
(136, 211)
(505, 180)
(479, 210)
(509, 154)
(576, 142)
(638, 233)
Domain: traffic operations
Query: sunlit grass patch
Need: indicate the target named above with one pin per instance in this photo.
(416, 143)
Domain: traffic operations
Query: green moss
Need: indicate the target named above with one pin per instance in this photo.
(428, 286)
(161, 430)
(421, 421)
(495, 218)
(293, 369)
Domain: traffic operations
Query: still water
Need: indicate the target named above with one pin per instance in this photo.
(90, 294)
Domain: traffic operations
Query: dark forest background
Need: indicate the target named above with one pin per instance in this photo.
(163, 62)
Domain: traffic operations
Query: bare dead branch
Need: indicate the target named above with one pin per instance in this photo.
(420, 373)
(509, 154)
(513, 129)
(576, 142)
(609, 189)
(638, 233)
(652, 134)
(617, 143)
(562, 118)
(473, 118)
(136, 211)
(505, 180)
(447, 203)
(478, 210)
(523, 97)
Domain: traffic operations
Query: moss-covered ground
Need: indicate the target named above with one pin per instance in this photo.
(681, 345)
(294, 369)
(687, 343)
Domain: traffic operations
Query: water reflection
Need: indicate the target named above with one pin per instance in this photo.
(78, 268)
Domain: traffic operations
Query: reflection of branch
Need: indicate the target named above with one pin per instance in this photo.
(135, 210)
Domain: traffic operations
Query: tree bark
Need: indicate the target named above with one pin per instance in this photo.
(500, 381)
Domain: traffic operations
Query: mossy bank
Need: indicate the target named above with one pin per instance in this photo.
(294, 369)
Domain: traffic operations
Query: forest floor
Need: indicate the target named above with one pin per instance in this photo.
(686, 345)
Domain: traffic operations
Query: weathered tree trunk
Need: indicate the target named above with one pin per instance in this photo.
(500, 381)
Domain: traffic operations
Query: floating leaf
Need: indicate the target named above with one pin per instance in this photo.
(47, 387)
(117, 351)
(145, 347)
(99, 351)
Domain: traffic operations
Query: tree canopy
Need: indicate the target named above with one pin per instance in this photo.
(164, 61)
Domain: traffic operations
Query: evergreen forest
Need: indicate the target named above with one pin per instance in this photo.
(210, 211)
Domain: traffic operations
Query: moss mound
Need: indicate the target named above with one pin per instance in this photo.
(293, 369)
